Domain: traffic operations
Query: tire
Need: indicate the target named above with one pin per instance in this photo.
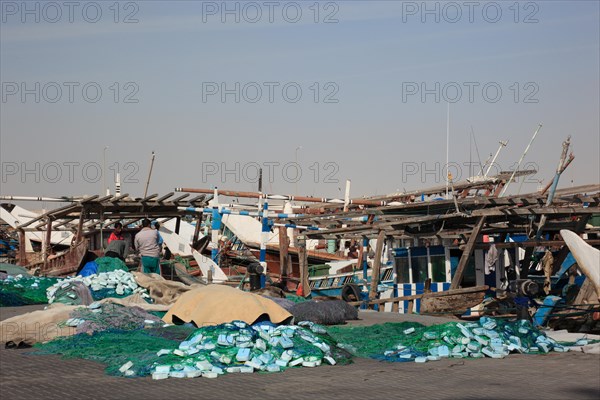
(351, 292)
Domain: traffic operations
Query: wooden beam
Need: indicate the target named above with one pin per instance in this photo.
(177, 225)
(22, 250)
(47, 241)
(376, 265)
(197, 228)
(450, 292)
(303, 262)
(163, 198)
(462, 264)
(79, 234)
(284, 243)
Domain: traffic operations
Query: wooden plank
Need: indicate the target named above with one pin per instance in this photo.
(462, 264)
(419, 296)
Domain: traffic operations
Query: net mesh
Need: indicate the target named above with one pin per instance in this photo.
(21, 291)
(115, 347)
(170, 346)
(112, 317)
(409, 341)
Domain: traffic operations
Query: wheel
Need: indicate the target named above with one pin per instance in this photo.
(351, 292)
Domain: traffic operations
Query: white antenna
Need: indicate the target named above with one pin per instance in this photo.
(118, 184)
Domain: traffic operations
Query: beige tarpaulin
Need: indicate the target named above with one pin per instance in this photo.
(136, 300)
(37, 326)
(217, 304)
(161, 290)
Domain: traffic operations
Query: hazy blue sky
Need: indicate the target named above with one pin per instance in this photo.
(373, 61)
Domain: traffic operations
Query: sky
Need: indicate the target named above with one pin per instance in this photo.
(315, 93)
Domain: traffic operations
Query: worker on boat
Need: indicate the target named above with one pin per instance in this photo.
(117, 249)
(147, 246)
(160, 239)
(117, 233)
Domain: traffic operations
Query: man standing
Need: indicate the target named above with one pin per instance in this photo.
(146, 244)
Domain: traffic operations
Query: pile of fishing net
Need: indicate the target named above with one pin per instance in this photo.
(184, 351)
(23, 290)
(109, 264)
(237, 347)
(117, 283)
(117, 347)
(489, 337)
(99, 317)
(325, 312)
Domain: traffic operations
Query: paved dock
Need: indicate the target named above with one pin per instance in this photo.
(552, 376)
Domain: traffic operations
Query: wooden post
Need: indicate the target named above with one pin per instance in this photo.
(427, 286)
(22, 250)
(359, 262)
(197, 229)
(303, 261)
(79, 234)
(177, 225)
(283, 253)
(47, 241)
(376, 265)
(462, 264)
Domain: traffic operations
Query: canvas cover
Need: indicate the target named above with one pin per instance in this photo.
(217, 304)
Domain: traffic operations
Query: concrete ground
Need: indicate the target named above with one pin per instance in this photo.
(552, 376)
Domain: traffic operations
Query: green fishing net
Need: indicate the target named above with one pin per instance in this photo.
(97, 318)
(294, 298)
(406, 341)
(368, 341)
(115, 348)
(21, 291)
(109, 264)
(141, 352)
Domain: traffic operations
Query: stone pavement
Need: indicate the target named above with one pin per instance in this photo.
(553, 376)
